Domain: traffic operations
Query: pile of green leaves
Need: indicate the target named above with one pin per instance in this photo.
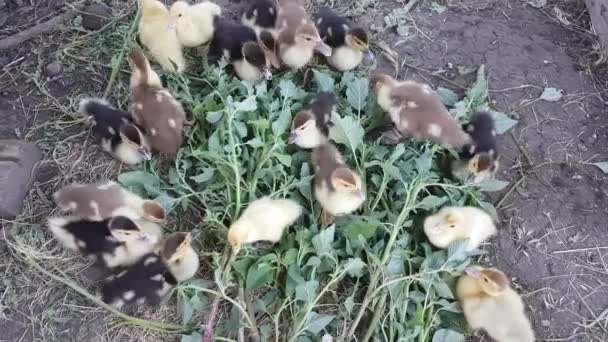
(372, 274)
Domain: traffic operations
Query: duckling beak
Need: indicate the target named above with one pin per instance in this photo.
(171, 24)
(292, 138)
(323, 48)
(267, 74)
(369, 58)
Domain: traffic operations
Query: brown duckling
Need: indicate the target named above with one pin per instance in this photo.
(310, 127)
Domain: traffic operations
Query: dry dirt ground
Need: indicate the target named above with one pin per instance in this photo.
(553, 239)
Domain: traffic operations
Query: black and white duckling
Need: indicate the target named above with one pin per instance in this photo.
(154, 275)
(102, 200)
(264, 219)
(153, 107)
(120, 136)
(338, 189)
(310, 127)
(113, 242)
(417, 111)
(261, 15)
(479, 159)
(195, 24)
(297, 36)
(350, 45)
(239, 45)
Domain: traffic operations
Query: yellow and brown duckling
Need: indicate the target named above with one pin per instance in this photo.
(310, 127)
(479, 159)
(159, 37)
(349, 44)
(120, 136)
(260, 15)
(154, 275)
(102, 200)
(297, 36)
(239, 45)
(457, 223)
(417, 111)
(264, 219)
(194, 24)
(153, 107)
(338, 189)
(489, 303)
(113, 242)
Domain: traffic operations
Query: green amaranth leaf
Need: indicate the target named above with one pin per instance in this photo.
(289, 90)
(359, 228)
(602, 166)
(282, 123)
(204, 176)
(317, 322)
(431, 202)
(307, 291)
(347, 131)
(503, 122)
(446, 335)
(166, 201)
(283, 159)
(355, 267)
(255, 143)
(492, 185)
(141, 182)
(443, 290)
(247, 105)
(356, 93)
(478, 93)
(457, 250)
(324, 81)
(448, 97)
(323, 242)
(214, 117)
(259, 274)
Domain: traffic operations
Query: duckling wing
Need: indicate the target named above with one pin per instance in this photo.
(91, 237)
(332, 28)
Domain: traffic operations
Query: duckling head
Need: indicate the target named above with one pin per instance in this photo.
(136, 140)
(382, 84)
(483, 165)
(153, 212)
(177, 11)
(179, 256)
(345, 181)
(356, 38)
(153, 7)
(269, 44)
(141, 71)
(237, 235)
(491, 281)
(444, 222)
(255, 55)
(304, 131)
(307, 36)
(124, 229)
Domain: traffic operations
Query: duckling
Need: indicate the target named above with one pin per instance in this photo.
(117, 241)
(479, 159)
(309, 128)
(349, 44)
(102, 200)
(157, 35)
(416, 110)
(456, 223)
(489, 303)
(119, 135)
(338, 189)
(261, 15)
(151, 278)
(154, 107)
(195, 24)
(298, 37)
(239, 45)
(264, 219)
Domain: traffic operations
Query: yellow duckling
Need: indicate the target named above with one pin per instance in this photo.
(195, 24)
(456, 223)
(489, 303)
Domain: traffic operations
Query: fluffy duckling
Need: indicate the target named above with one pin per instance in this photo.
(151, 278)
(479, 159)
(102, 200)
(194, 24)
(117, 241)
(489, 303)
(349, 44)
(309, 128)
(261, 15)
(298, 37)
(455, 223)
(119, 135)
(239, 45)
(157, 35)
(338, 189)
(416, 110)
(154, 107)
(264, 219)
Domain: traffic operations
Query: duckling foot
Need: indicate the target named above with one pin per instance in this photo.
(327, 218)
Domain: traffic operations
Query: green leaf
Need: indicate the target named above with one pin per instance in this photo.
(282, 123)
(349, 303)
(443, 290)
(492, 185)
(203, 177)
(324, 81)
(255, 143)
(354, 229)
(503, 122)
(259, 274)
(347, 131)
(247, 105)
(323, 242)
(448, 97)
(289, 90)
(355, 267)
(356, 93)
(242, 266)
(424, 163)
(457, 250)
(166, 202)
(431, 202)
(141, 182)
(446, 335)
(602, 166)
(214, 143)
(551, 95)
(478, 93)
(307, 291)
(194, 337)
(317, 322)
(284, 159)
(213, 117)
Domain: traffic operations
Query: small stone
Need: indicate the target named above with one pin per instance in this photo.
(17, 172)
(53, 69)
(545, 323)
(95, 16)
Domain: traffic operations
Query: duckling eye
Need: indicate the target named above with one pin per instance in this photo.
(485, 280)
(452, 226)
(179, 15)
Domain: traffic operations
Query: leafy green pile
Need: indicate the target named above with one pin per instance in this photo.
(372, 274)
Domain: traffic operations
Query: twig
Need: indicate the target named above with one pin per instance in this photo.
(18, 38)
(251, 312)
(208, 327)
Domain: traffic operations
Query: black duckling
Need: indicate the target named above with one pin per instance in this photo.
(479, 159)
(261, 15)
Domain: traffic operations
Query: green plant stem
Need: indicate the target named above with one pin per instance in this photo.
(121, 55)
(235, 167)
(376, 318)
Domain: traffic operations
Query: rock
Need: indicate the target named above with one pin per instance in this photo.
(17, 172)
(53, 69)
(96, 16)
